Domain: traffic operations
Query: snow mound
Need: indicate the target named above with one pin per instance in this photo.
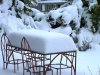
(11, 23)
(85, 37)
(43, 41)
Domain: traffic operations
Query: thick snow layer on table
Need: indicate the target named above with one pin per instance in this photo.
(43, 41)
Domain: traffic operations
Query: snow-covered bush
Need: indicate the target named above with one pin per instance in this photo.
(64, 16)
(55, 22)
(30, 2)
(74, 36)
(19, 5)
(39, 16)
(69, 20)
(85, 37)
(53, 17)
(28, 11)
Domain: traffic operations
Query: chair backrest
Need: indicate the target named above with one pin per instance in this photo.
(25, 47)
(24, 44)
(4, 41)
(26, 52)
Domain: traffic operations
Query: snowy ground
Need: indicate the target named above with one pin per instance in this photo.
(88, 63)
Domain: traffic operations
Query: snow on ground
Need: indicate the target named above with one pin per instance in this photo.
(88, 62)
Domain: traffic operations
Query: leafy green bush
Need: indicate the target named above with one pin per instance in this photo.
(85, 3)
(98, 2)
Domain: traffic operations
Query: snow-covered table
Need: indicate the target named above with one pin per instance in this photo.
(43, 41)
(44, 45)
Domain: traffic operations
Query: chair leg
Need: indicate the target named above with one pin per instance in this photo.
(23, 70)
(52, 72)
(17, 65)
(6, 64)
(57, 71)
(30, 73)
(14, 68)
(3, 65)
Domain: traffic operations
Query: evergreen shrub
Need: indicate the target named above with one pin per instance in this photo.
(95, 18)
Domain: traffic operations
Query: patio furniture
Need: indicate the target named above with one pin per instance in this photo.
(31, 66)
(8, 54)
(42, 48)
(47, 64)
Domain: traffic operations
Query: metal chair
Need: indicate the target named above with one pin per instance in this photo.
(32, 58)
(8, 53)
(69, 63)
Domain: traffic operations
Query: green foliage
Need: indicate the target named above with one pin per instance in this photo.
(83, 22)
(98, 2)
(55, 23)
(85, 3)
(73, 24)
(69, 1)
(86, 45)
(26, 1)
(95, 18)
(29, 1)
(26, 9)
(22, 0)
(13, 2)
(1, 1)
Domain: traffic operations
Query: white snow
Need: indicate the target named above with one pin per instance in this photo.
(43, 25)
(43, 41)
(68, 14)
(84, 35)
(79, 5)
(10, 23)
(19, 5)
(64, 30)
(92, 3)
(5, 6)
(88, 62)
(39, 15)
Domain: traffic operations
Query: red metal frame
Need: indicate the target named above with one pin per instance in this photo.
(35, 62)
(33, 59)
(69, 55)
(8, 53)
